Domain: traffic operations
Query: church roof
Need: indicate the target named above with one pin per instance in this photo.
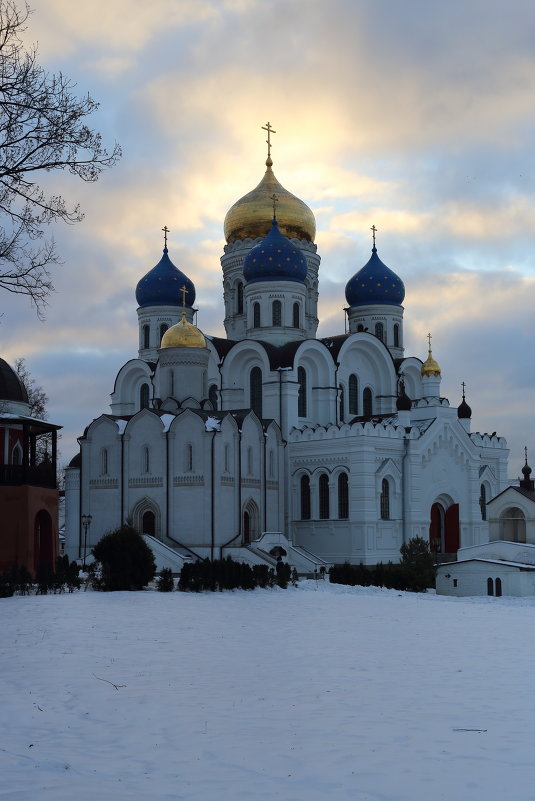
(375, 283)
(161, 286)
(275, 258)
(11, 387)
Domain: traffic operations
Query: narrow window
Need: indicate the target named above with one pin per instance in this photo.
(483, 501)
(343, 497)
(239, 299)
(296, 316)
(226, 458)
(324, 496)
(385, 500)
(163, 329)
(16, 454)
(249, 461)
(271, 463)
(490, 587)
(341, 415)
(146, 459)
(353, 395)
(144, 396)
(367, 402)
(277, 313)
(256, 315)
(255, 386)
(146, 336)
(396, 335)
(212, 396)
(305, 498)
(171, 383)
(189, 458)
(498, 587)
(455, 582)
(104, 462)
(302, 392)
(380, 331)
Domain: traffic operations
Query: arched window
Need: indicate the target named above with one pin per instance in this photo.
(360, 328)
(305, 498)
(227, 451)
(171, 383)
(163, 329)
(498, 587)
(341, 412)
(212, 396)
(271, 470)
(353, 394)
(385, 499)
(513, 525)
(277, 313)
(239, 298)
(148, 523)
(343, 496)
(146, 459)
(188, 466)
(255, 386)
(16, 454)
(367, 402)
(324, 496)
(256, 315)
(302, 392)
(296, 322)
(483, 501)
(380, 331)
(146, 336)
(104, 462)
(144, 396)
(249, 461)
(396, 335)
(490, 587)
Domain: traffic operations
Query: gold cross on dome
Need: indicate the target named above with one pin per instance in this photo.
(165, 230)
(374, 230)
(267, 127)
(184, 291)
(275, 200)
(429, 340)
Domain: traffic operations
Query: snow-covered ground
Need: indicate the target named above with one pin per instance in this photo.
(306, 694)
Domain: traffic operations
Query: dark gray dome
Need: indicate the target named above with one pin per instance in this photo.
(11, 387)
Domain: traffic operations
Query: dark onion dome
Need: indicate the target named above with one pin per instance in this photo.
(375, 283)
(76, 460)
(250, 216)
(161, 286)
(274, 259)
(403, 402)
(464, 412)
(11, 387)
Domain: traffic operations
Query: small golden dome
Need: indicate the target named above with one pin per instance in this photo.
(430, 367)
(183, 335)
(252, 214)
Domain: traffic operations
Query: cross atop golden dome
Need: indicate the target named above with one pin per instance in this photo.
(183, 334)
(251, 215)
(430, 367)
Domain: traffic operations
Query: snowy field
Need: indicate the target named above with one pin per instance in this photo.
(301, 695)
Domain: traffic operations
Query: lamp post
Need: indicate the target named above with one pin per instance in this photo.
(86, 522)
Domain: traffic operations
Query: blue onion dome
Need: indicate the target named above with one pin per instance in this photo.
(275, 258)
(375, 283)
(161, 286)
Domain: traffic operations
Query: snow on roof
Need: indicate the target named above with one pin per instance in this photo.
(523, 565)
(121, 425)
(167, 419)
(212, 424)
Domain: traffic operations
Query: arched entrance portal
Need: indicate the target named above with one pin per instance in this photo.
(250, 522)
(444, 528)
(148, 523)
(43, 541)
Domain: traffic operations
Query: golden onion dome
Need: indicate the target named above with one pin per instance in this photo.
(430, 367)
(183, 335)
(252, 214)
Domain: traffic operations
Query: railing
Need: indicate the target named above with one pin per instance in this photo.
(42, 475)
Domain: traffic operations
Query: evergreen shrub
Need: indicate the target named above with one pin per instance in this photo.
(165, 580)
(224, 574)
(126, 561)
(415, 572)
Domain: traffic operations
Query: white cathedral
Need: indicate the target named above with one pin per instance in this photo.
(272, 440)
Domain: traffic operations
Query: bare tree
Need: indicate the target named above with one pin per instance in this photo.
(42, 128)
(37, 397)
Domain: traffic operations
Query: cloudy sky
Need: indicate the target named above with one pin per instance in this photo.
(418, 117)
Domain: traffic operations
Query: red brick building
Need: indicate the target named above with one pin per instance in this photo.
(28, 484)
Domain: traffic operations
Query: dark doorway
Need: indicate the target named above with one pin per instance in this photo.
(148, 523)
